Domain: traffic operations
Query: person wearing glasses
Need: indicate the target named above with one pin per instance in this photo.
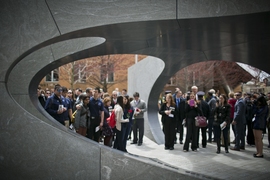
(54, 105)
(239, 121)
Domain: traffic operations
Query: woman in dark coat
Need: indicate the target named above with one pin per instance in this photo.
(192, 111)
(107, 131)
(82, 116)
(259, 124)
(222, 121)
(168, 119)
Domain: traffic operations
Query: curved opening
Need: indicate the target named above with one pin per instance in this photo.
(224, 76)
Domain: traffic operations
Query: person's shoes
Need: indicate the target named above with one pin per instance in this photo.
(233, 142)
(227, 151)
(174, 142)
(204, 146)
(256, 156)
(269, 146)
(209, 141)
(195, 150)
(242, 147)
(171, 148)
(139, 144)
(133, 143)
(218, 151)
(181, 142)
(166, 148)
(235, 149)
(185, 150)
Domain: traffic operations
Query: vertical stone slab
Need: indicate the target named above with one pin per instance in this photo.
(141, 78)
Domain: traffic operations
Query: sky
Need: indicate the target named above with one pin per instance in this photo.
(253, 71)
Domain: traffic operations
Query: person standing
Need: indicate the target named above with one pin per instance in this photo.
(96, 108)
(232, 101)
(41, 97)
(268, 119)
(54, 105)
(68, 105)
(114, 99)
(222, 113)
(82, 116)
(107, 131)
(249, 116)
(239, 122)
(205, 109)
(179, 115)
(212, 104)
(192, 111)
(167, 111)
(119, 117)
(128, 114)
(259, 124)
(140, 107)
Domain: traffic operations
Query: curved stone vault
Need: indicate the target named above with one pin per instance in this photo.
(38, 36)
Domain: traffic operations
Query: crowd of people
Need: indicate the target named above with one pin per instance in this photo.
(92, 110)
(247, 114)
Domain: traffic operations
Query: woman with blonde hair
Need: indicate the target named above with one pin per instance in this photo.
(168, 119)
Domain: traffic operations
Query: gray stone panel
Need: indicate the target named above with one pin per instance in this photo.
(31, 64)
(141, 77)
(34, 148)
(24, 24)
(37, 150)
(212, 8)
(77, 14)
(118, 165)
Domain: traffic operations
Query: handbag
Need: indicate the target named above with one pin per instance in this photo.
(200, 121)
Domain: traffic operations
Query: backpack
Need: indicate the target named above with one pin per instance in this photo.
(111, 120)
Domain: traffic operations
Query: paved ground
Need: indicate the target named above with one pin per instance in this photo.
(205, 163)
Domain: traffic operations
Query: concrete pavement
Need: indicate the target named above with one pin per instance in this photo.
(205, 163)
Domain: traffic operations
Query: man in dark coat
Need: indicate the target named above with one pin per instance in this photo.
(180, 114)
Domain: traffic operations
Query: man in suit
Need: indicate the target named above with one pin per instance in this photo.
(140, 107)
(180, 114)
(212, 104)
(239, 121)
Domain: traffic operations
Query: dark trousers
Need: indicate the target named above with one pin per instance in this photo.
(180, 130)
(203, 131)
(118, 143)
(125, 128)
(138, 125)
(169, 132)
(91, 131)
(239, 135)
(210, 129)
(192, 131)
(225, 137)
(250, 135)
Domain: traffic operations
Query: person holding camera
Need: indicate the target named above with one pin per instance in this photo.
(192, 111)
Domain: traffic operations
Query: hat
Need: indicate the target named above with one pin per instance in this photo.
(200, 93)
